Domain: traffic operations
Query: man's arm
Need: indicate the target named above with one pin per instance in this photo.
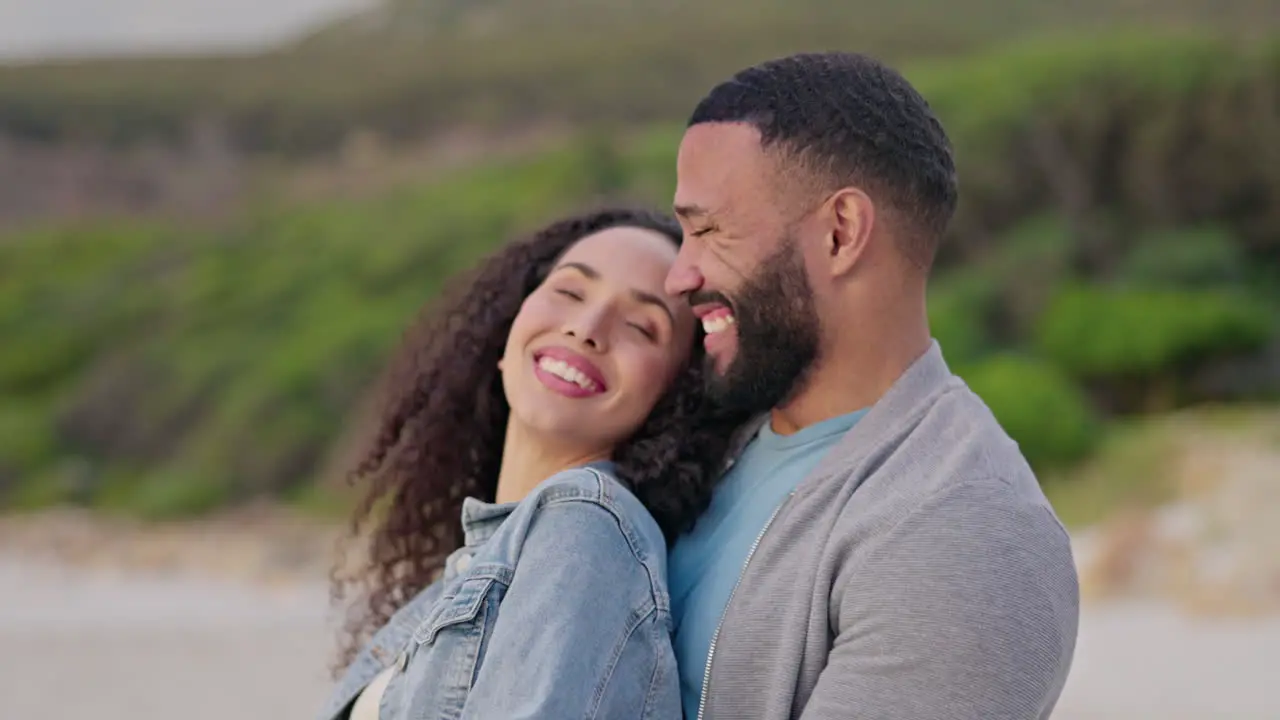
(967, 610)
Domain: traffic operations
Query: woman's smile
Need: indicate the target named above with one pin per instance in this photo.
(568, 373)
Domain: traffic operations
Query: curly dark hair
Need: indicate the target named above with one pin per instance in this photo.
(442, 432)
(848, 118)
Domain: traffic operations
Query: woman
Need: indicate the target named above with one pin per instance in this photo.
(545, 441)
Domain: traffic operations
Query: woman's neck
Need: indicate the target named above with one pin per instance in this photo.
(527, 460)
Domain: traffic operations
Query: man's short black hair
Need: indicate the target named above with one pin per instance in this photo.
(848, 119)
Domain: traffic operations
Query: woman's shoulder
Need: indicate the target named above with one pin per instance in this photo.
(598, 485)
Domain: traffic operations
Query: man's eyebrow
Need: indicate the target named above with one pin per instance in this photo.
(642, 296)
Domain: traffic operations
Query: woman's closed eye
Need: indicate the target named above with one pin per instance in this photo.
(571, 294)
(644, 330)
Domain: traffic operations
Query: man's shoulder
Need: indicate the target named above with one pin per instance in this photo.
(957, 445)
(952, 457)
(954, 494)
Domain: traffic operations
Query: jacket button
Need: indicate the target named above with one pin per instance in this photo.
(403, 661)
(464, 562)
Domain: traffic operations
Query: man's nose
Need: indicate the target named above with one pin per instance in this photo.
(684, 277)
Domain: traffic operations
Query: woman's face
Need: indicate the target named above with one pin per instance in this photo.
(595, 347)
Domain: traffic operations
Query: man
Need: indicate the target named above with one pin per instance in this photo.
(879, 548)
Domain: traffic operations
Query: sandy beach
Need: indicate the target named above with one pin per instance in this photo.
(124, 645)
(77, 643)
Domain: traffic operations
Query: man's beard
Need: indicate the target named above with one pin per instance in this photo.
(778, 330)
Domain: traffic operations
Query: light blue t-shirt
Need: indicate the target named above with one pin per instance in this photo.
(703, 567)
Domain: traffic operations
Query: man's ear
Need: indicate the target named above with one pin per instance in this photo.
(852, 217)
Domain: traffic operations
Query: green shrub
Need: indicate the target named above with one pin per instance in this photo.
(27, 444)
(1194, 257)
(165, 493)
(1141, 347)
(1026, 267)
(63, 482)
(1165, 131)
(1040, 408)
(960, 306)
(1099, 332)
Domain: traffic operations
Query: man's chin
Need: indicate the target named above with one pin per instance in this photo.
(722, 382)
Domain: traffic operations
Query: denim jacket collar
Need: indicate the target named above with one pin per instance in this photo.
(480, 519)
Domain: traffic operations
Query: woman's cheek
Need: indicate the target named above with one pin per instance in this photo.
(657, 373)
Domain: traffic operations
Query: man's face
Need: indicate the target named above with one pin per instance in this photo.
(742, 269)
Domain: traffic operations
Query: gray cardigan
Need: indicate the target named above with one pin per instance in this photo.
(917, 573)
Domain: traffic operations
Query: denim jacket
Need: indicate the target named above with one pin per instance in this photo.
(556, 607)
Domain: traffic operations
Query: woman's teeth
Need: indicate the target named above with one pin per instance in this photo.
(716, 324)
(565, 371)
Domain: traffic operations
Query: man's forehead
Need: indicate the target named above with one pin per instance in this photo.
(710, 147)
(717, 161)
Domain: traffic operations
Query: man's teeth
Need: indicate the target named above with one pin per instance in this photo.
(565, 371)
(716, 324)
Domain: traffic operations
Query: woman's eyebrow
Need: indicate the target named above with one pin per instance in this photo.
(649, 298)
(590, 272)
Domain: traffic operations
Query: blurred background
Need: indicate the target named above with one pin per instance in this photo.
(217, 216)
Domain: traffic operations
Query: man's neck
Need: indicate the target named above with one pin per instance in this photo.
(852, 376)
(527, 461)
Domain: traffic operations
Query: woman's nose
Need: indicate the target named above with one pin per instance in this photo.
(589, 327)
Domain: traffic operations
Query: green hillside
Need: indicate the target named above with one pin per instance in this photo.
(419, 67)
(162, 369)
